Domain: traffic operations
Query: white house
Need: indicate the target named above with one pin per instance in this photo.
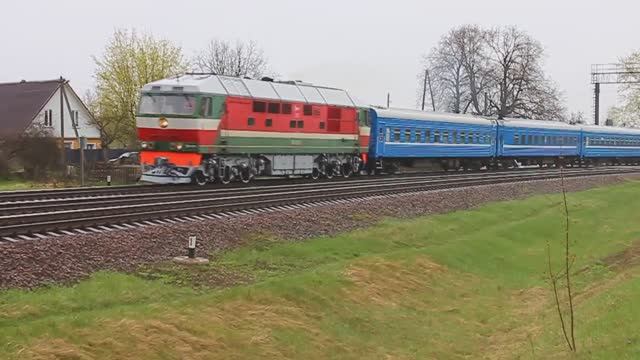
(28, 104)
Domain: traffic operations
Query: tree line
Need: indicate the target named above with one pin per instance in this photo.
(131, 60)
(492, 72)
(496, 72)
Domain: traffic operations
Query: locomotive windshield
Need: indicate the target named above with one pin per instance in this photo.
(173, 104)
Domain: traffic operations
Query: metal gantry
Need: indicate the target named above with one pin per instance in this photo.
(626, 73)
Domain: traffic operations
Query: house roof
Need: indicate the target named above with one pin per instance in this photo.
(20, 103)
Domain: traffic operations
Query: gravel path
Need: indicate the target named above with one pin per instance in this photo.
(71, 258)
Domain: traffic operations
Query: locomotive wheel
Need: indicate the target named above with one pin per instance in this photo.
(198, 178)
(245, 175)
(328, 172)
(347, 170)
(226, 177)
(315, 174)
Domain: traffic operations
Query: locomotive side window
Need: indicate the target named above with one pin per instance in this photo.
(286, 108)
(307, 110)
(259, 106)
(268, 122)
(300, 124)
(251, 121)
(322, 124)
(292, 124)
(274, 108)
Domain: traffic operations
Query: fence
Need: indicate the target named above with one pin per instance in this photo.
(92, 156)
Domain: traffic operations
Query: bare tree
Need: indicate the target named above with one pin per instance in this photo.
(628, 114)
(239, 59)
(492, 72)
(522, 89)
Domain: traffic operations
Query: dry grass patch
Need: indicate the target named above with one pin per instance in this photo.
(384, 282)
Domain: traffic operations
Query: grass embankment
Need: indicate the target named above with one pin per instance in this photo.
(469, 284)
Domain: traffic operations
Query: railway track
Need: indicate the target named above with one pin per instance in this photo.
(32, 218)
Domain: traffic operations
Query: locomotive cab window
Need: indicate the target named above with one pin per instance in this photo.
(259, 106)
(206, 107)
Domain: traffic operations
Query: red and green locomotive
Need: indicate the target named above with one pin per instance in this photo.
(201, 128)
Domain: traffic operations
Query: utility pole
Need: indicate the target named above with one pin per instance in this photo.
(63, 155)
(433, 103)
(424, 87)
(388, 99)
(597, 103)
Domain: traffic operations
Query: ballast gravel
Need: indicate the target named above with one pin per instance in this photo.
(67, 259)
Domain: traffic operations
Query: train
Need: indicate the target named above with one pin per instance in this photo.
(205, 128)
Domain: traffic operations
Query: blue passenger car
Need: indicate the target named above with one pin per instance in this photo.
(610, 143)
(534, 141)
(409, 134)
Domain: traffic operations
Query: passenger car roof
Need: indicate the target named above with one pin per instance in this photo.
(410, 114)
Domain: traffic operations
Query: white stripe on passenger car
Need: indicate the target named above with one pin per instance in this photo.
(541, 146)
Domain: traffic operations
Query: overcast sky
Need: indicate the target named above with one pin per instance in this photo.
(367, 47)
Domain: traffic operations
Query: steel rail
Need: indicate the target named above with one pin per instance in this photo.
(65, 219)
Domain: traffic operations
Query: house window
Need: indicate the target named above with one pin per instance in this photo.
(268, 122)
(74, 118)
(251, 121)
(286, 108)
(274, 108)
(48, 118)
(67, 145)
(259, 106)
(91, 146)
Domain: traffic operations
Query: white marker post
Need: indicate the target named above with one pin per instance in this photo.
(108, 180)
(192, 247)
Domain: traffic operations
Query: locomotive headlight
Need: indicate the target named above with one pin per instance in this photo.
(178, 146)
(163, 123)
(144, 145)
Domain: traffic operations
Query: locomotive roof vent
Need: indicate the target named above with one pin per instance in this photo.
(266, 78)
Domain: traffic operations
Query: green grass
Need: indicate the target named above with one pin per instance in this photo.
(9, 185)
(469, 284)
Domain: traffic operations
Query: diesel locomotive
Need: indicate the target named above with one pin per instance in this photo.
(203, 128)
